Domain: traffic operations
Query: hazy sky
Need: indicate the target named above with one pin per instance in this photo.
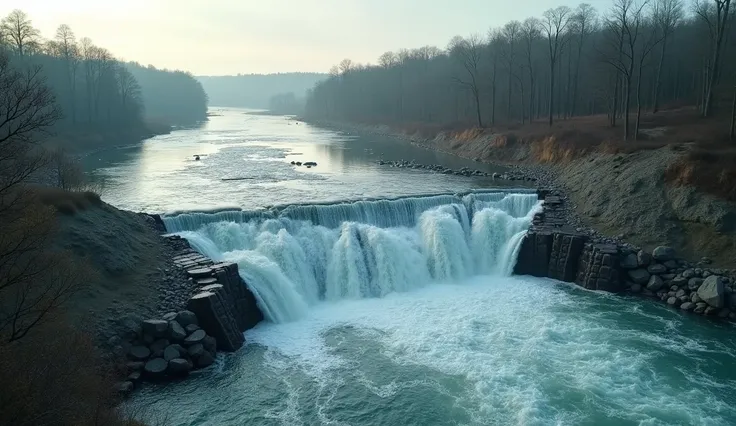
(214, 37)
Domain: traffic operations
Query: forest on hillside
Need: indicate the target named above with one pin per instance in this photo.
(94, 91)
(257, 90)
(639, 55)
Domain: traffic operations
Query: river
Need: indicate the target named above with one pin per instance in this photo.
(401, 312)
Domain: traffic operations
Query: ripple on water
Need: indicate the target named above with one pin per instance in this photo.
(486, 351)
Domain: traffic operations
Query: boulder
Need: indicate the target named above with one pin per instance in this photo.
(191, 328)
(673, 301)
(671, 264)
(155, 328)
(176, 331)
(655, 283)
(170, 316)
(148, 339)
(196, 350)
(712, 291)
(124, 388)
(668, 277)
(134, 365)
(156, 367)
(698, 272)
(171, 352)
(688, 273)
(663, 253)
(687, 306)
(680, 293)
(706, 273)
(657, 269)
(210, 344)
(195, 337)
(710, 310)
(139, 353)
(679, 281)
(694, 283)
(179, 367)
(639, 276)
(644, 258)
(205, 360)
(695, 298)
(629, 261)
(134, 376)
(185, 318)
(700, 307)
(159, 345)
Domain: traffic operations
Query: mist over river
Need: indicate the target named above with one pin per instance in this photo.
(401, 309)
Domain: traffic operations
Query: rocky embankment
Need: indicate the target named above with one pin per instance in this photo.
(205, 312)
(465, 171)
(554, 248)
(613, 196)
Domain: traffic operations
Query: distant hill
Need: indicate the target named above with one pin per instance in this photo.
(256, 90)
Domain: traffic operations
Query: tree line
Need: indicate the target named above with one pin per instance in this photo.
(93, 89)
(639, 55)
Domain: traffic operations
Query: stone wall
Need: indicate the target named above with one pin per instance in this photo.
(222, 300)
(553, 249)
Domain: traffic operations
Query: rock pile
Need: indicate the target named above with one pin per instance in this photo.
(465, 171)
(166, 348)
(691, 287)
(552, 248)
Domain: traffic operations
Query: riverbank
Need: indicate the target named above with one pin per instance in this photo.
(618, 194)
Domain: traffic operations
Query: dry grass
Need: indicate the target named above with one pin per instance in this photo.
(713, 170)
(56, 377)
(67, 202)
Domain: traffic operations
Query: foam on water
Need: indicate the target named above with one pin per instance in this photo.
(293, 257)
(526, 357)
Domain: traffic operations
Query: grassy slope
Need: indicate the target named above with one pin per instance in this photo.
(127, 255)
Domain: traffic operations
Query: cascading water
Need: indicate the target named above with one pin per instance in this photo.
(292, 257)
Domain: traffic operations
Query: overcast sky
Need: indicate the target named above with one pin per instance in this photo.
(217, 37)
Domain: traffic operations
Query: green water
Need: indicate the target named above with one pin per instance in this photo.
(488, 350)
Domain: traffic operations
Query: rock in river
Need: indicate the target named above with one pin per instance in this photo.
(655, 283)
(639, 276)
(176, 331)
(712, 291)
(195, 337)
(156, 367)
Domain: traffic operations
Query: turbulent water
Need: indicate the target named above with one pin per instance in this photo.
(293, 257)
(400, 309)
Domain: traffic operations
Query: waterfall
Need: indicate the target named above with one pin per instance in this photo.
(294, 257)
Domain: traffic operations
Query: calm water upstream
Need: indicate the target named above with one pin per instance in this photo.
(405, 314)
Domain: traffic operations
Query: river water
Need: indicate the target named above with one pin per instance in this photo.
(401, 311)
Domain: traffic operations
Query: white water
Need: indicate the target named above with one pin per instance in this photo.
(296, 256)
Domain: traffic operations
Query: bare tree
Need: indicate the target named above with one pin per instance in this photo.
(346, 65)
(667, 15)
(530, 33)
(583, 23)
(653, 38)
(18, 28)
(625, 22)
(468, 53)
(33, 280)
(509, 37)
(67, 48)
(716, 21)
(388, 60)
(554, 26)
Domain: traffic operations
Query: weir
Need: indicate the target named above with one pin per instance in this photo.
(293, 257)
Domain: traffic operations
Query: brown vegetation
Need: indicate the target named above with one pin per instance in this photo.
(55, 378)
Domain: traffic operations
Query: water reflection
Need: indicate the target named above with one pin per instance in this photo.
(246, 163)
